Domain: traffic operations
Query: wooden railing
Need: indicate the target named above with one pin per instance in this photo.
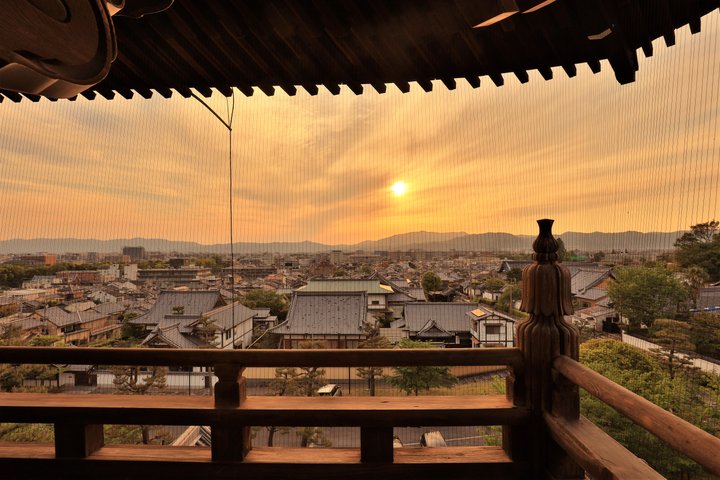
(78, 419)
(544, 435)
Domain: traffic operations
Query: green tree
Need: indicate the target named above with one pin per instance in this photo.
(515, 275)
(674, 336)
(413, 380)
(206, 330)
(431, 282)
(493, 285)
(507, 299)
(562, 251)
(374, 340)
(701, 247)
(284, 383)
(598, 256)
(643, 294)
(694, 278)
(641, 373)
(259, 298)
(137, 381)
(705, 333)
(311, 378)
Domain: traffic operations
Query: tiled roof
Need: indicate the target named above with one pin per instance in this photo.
(194, 303)
(450, 316)
(327, 313)
(584, 279)
(346, 285)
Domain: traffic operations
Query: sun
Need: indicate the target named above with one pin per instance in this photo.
(399, 188)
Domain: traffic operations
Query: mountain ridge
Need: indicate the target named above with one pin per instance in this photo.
(422, 240)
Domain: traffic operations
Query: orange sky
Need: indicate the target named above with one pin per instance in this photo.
(592, 154)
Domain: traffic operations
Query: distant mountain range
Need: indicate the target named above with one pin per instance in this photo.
(430, 241)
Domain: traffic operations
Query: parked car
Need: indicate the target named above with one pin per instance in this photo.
(330, 390)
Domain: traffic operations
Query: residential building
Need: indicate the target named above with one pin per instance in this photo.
(444, 323)
(490, 328)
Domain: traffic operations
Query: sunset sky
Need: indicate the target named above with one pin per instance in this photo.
(593, 154)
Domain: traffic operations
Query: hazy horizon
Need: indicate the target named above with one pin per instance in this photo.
(588, 152)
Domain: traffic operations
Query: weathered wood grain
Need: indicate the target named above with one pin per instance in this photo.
(262, 358)
(598, 453)
(679, 434)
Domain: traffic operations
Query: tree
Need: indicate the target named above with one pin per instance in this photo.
(431, 282)
(507, 299)
(267, 299)
(643, 294)
(311, 378)
(206, 330)
(562, 251)
(134, 380)
(515, 275)
(674, 336)
(701, 247)
(284, 383)
(644, 375)
(705, 333)
(598, 256)
(493, 285)
(373, 339)
(694, 278)
(416, 379)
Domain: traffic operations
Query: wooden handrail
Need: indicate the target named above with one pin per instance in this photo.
(264, 358)
(676, 432)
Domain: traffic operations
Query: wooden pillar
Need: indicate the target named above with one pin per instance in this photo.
(77, 439)
(230, 442)
(376, 444)
(543, 336)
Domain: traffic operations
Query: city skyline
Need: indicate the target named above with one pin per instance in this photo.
(594, 155)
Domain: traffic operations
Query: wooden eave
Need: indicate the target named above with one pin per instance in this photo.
(219, 44)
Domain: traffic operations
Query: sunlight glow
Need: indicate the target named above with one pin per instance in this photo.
(399, 188)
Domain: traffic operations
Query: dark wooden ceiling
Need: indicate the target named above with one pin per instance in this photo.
(219, 44)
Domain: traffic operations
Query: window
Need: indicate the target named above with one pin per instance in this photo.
(228, 333)
(492, 329)
(375, 302)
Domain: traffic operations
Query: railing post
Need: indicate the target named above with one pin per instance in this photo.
(543, 336)
(376, 444)
(77, 439)
(230, 442)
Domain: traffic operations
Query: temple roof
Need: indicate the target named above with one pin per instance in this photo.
(219, 44)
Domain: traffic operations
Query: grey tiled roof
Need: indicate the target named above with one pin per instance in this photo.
(709, 297)
(450, 316)
(346, 285)
(194, 303)
(223, 316)
(584, 279)
(172, 335)
(328, 313)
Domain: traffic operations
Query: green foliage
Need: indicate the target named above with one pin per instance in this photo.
(705, 333)
(311, 378)
(12, 376)
(431, 282)
(674, 336)
(206, 330)
(686, 396)
(701, 247)
(137, 380)
(45, 341)
(506, 300)
(597, 256)
(267, 299)
(562, 251)
(413, 380)
(27, 432)
(515, 275)
(643, 294)
(373, 339)
(493, 285)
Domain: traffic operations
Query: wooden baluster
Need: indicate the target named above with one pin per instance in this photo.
(230, 442)
(376, 444)
(543, 336)
(77, 440)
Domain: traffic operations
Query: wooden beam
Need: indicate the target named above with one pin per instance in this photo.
(676, 432)
(158, 461)
(230, 406)
(230, 440)
(597, 452)
(474, 82)
(449, 83)
(264, 358)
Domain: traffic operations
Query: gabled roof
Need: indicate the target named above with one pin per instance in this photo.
(450, 316)
(583, 279)
(432, 330)
(288, 43)
(223, 316)
(194, 303)
(485, 313)
(325, 313)
(372, 287)
(173, 336)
